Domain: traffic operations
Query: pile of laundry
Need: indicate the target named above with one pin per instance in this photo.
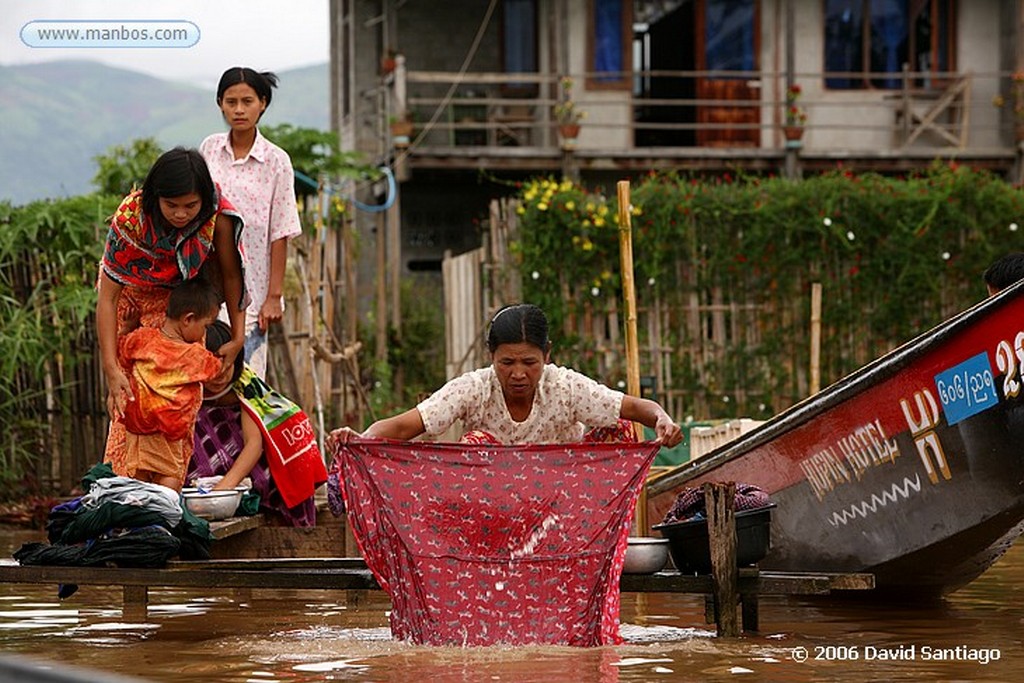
(119, 522)
(689, 504)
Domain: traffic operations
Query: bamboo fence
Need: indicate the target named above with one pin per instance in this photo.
(313, 359)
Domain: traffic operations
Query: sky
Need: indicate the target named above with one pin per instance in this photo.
(211, 35)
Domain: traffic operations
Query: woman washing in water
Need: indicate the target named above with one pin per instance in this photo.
(176, 228)
(485, 545)
(522, 398)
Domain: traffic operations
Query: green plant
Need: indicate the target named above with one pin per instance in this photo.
(48, 256)
(315, 152)
(417, 357)
(1016, 95)
(795, 114)
(894, 256)
(565, 110)
(122, 168)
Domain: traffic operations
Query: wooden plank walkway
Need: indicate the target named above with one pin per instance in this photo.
(351, 573)
(727, 584)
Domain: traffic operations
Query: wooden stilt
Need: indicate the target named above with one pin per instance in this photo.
(719, 503)
(135, 603)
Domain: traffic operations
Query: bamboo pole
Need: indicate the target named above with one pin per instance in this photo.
(632, 344)
(815, 383)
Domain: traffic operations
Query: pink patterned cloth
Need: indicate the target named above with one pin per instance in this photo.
(486, 544)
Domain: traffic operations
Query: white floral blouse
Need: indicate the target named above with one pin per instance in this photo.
(566, 404)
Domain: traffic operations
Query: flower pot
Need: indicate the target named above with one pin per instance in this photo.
(401, 133)
(792, 132)
(569, 132)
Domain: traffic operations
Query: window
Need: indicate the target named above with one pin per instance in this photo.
(519, 36)
(867, 42)
(729, 35)
(610, 44)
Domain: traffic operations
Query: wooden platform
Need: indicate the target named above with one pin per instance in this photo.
(350, 573)
(264, 556)
(257, 537)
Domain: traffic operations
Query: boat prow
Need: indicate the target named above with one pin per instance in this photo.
(911, 468)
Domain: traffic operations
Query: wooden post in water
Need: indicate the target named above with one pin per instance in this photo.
(632, 344)
(719, 501)
(815, 338)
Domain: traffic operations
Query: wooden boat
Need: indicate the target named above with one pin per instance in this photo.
(911, 468)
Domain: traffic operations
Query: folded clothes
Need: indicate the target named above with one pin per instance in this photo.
(689, 504)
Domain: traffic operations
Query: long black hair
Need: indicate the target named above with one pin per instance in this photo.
(516, 324)
(178, 172)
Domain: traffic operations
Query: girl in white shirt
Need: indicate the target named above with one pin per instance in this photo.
(257, 177)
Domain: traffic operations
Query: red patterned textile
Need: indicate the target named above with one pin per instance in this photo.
(483, 544)
(138, 252)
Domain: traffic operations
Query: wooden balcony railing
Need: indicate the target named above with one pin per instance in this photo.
(693, 112)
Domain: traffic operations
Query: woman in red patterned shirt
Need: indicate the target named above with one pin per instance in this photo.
(176, 228)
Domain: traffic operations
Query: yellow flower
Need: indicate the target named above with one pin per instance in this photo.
(570, 205)
(520, 209)
(599, 222)
(636, 211)
(542, 206)
(587, 244)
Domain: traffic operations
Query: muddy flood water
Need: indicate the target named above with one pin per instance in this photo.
(271, 635)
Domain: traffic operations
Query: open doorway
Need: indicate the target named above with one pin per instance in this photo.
(663, 43)
(677, 107)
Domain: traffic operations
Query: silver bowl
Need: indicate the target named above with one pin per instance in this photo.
(212, 505)
(645, 555)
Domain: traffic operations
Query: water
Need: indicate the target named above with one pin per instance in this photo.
(298, 636)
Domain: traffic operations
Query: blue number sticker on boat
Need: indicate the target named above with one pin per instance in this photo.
(966, 389)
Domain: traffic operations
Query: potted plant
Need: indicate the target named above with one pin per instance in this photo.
(388, 62)
(1017, 96)
(795, 116)
(401, 130)
(568, 115)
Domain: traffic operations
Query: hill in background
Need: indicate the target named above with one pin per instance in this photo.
(58, 116)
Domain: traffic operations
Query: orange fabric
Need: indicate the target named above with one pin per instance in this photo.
(149, 306)
(166, 377)
(167, 446)
(154, 453)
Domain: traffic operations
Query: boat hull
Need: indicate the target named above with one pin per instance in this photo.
(911, 468)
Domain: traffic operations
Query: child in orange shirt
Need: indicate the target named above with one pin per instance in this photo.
(166, 369)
